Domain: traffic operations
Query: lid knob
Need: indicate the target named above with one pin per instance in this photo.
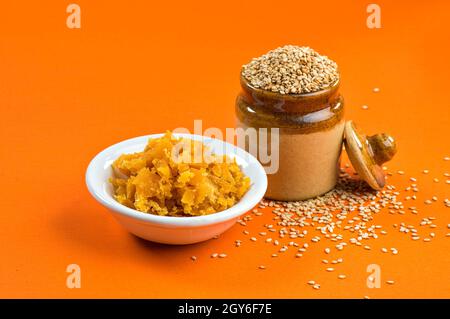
(383, 147)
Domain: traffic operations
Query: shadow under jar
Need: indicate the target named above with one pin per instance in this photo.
(311, 130)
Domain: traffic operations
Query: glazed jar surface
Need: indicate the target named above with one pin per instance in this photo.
(310, 133)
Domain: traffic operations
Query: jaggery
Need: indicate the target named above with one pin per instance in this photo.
(158, 182)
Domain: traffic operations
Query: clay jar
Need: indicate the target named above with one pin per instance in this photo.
(311, 129)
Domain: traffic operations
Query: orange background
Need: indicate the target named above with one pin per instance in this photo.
(136, 68)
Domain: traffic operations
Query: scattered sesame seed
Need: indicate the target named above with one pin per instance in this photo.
(194, 258)
(214, 255)
(262, 267)
(316, 286)
(222, 255)
(330, 269)
(342, 276)
(390, 282)
(376, 90)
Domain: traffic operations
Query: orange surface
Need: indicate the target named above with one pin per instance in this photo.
(137, 68)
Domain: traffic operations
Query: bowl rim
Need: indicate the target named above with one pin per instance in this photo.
(240, 208)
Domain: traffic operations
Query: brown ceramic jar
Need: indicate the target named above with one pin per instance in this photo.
(310, 137)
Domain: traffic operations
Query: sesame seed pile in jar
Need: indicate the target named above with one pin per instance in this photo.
(291, 70)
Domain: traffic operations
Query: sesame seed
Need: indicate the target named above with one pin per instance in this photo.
(316, 286)
(376, 90)
(311, 282)
(262, 267)
(390, 282)
(214, 255)
(342, 276)
(364, 107)
(291, 70)
(330, 269)
(222, 255)
(194, 258)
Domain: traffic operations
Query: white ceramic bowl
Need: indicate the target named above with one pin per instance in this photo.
(166, 229)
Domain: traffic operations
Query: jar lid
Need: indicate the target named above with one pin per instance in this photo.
(368, 153)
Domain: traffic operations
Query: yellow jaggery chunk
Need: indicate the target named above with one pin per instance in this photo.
(158, 182)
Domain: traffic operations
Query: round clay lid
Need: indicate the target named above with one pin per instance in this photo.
(368, 153)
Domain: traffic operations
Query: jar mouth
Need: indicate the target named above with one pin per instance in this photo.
(289, 97)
